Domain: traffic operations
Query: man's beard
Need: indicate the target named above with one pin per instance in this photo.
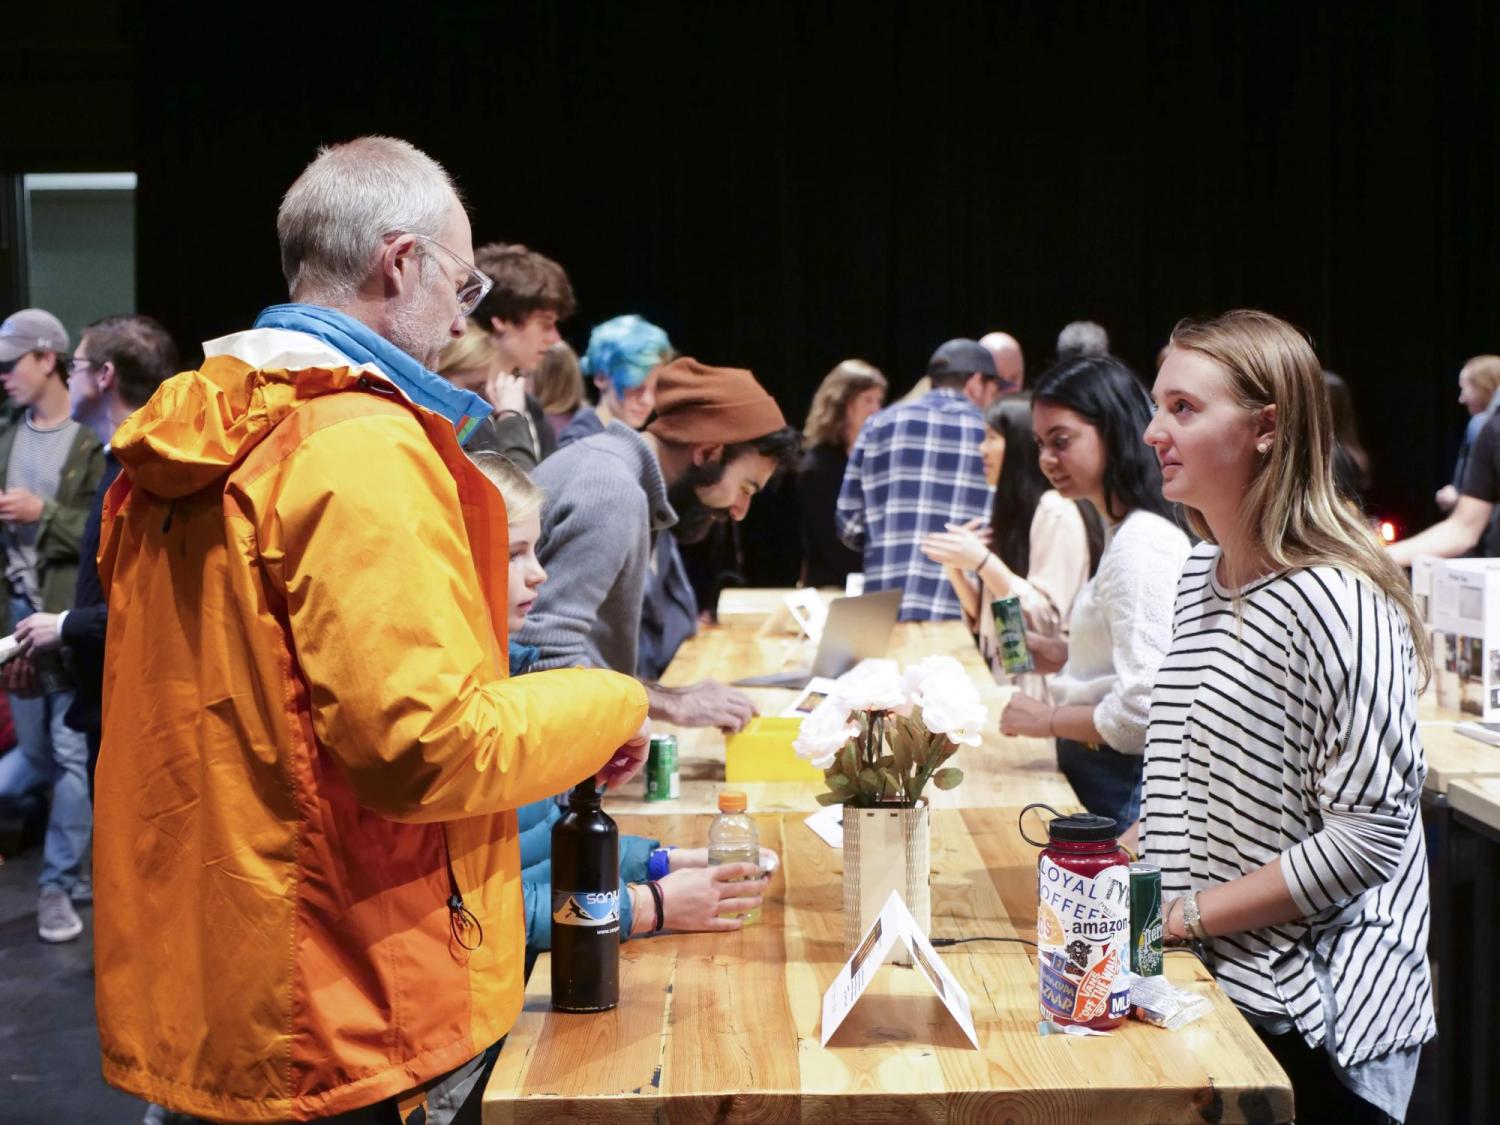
(410, 329)
(695, 519)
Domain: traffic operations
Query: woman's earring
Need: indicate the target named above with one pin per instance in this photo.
(1263, 447)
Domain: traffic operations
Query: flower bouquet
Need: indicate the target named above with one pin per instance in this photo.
(882, 735)
(879, 738)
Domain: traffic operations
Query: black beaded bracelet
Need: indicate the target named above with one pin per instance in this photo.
(661, 907)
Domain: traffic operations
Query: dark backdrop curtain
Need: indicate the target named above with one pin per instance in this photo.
(784, 186)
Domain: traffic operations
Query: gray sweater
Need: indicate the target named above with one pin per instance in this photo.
(605, 498)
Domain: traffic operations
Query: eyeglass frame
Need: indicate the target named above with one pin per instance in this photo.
(476, 275)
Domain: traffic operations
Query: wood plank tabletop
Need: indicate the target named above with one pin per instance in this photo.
(1000, 771)
(1452, 756)
(725, 1027)
(1478, 797)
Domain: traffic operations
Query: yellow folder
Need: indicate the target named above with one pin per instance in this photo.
(763, 752)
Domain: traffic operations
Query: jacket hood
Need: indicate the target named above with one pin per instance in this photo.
(200, 424)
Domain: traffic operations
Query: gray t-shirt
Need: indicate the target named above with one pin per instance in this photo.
(36, 464)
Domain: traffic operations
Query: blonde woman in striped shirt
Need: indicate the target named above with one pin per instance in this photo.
(1283, 766)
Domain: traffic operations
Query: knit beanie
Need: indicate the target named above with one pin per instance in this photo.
(696, 403)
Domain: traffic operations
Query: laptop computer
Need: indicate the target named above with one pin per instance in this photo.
(857, 629)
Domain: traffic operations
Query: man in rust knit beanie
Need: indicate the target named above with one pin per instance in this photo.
(717, 440)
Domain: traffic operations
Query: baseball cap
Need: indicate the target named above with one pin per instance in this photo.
(962, 357)
(31, 330)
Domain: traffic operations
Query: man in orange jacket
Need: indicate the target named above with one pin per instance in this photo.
(308, 892)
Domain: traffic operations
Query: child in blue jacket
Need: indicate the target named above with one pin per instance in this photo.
(694, 895)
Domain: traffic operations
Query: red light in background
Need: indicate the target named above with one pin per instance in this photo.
(1388, 531)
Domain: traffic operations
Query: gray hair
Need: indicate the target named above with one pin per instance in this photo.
(1082, 338)
(350, 197)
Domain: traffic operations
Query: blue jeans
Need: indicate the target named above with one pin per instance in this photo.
(50, 753)
(1107, 782)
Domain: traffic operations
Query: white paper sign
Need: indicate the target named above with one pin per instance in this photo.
(894, 923)
(828, 825)
(809, 610)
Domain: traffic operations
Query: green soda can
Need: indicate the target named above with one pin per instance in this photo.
(1010, 634)
(1145, 920)
(662, 783)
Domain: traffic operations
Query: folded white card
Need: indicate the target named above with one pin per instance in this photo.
(894, 923)
(809, 610)
(828, 824)
(9, 646)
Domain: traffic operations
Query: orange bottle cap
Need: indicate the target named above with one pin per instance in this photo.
(732, 801)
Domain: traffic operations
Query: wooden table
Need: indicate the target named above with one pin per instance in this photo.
(1001, 771)
(1452, 756)
(1468, 1031)
(725, 1028)
(1460, 769)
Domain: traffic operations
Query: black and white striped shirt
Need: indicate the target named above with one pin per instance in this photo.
(1290, 734)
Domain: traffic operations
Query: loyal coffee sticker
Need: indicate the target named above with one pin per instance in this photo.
(1083, 930)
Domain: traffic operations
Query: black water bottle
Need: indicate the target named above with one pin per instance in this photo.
(585, 905)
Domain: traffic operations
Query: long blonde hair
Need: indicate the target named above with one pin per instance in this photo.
(1292, 502)
(828, 416)
(475, 350)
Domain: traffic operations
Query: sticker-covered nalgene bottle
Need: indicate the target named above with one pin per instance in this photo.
(585, 905)
(1083, 923)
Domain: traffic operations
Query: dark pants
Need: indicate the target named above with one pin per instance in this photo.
(1107, 782)
(1319, 1094)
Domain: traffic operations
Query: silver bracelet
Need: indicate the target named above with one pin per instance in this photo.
(1191, 916)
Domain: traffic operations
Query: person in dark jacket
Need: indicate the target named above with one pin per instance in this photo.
(529, 295)
(117, 366)
(849, 394)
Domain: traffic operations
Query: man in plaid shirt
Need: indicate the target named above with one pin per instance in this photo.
(916, 467)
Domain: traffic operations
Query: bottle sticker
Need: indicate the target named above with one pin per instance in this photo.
(1083, 932)
(586, 908)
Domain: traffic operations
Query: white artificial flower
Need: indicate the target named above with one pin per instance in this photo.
(933, 667)
(872, 685)
(950, 702)
(824, 732)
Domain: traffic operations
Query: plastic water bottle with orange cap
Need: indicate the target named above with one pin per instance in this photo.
(732, 838)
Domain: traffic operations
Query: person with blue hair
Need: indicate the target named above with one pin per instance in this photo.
(622, 359)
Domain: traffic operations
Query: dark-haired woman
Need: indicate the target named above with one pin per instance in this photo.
(1037, 548)
(1088, 415)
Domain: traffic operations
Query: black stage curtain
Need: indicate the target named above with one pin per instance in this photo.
(783, 186)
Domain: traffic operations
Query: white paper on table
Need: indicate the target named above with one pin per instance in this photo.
(828, 825)
(817, 690)
(894, 923)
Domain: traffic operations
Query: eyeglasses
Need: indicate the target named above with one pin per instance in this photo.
(78, 362)
(9, 365)
(473, 290)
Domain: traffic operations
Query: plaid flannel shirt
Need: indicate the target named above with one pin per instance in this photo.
(914, 468)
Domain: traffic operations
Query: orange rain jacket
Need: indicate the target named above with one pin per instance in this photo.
(309, 744)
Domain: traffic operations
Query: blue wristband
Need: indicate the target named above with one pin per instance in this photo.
(658, 863)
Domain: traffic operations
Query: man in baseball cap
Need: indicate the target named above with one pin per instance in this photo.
(30, 330)
(49, 468)
(717, 440)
